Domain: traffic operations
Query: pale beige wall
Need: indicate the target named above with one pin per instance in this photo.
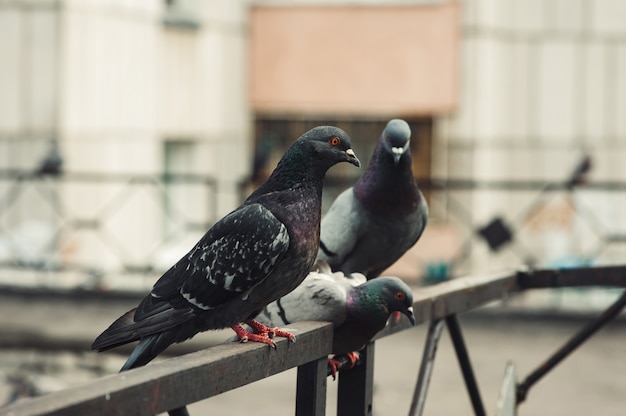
(355, 59)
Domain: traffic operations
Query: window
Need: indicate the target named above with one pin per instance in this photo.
(274, 135)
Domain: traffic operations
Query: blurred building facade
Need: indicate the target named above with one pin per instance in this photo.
(494, 90)
(124, 87)
(543, 83)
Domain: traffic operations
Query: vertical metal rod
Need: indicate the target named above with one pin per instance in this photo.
(311, 388)
(179, 411)
(354, 396)
(571, 345)
(466, 367)
(426, 368)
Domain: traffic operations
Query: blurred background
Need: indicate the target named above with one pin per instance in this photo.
(128, 127)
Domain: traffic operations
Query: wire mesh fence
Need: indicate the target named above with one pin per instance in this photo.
(97, 230)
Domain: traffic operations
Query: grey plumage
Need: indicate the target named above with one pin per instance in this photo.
(372, 224)
(358, 308)
(254, 255)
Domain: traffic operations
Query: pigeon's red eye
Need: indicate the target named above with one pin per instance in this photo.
(399, 295)
(387, 138)
(334, 141)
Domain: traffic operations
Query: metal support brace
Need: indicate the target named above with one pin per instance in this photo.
(311, 388)
(569, 347)
(426, 368)
(466, 367)
(180, 411)
(354, 396)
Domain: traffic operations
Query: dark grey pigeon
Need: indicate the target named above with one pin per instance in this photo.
(357, 307)
(371, 225)
(251, 257)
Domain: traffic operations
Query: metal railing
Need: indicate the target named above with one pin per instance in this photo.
(172, 384)
(115, 201)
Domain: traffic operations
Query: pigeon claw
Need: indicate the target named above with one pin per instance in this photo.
(261, 333)
(245, 336)
(262, 338)
(353, 357)
(284, 334)
(336, 364)
(264, 330)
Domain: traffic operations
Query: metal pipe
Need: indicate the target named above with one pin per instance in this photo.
(426, 368)
(466, 367)
(569, 347)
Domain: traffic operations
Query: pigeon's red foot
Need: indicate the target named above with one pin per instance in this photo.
(260, 328)
(334, 364)
(353, 357)
(261, 333)
(245, 336)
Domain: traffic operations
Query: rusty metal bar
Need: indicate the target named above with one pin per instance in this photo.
(585, 276)
(311, 388)
(426, 368)
(173, 383)
(142, 389)
(460, 295)
(574, 342)
(466, 367)
(355, 390)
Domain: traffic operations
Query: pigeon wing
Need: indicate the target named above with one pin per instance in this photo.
(341, 228)
(320, 297)
(235, 255)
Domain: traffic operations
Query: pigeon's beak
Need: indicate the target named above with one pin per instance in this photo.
(352, 158)
(409, 314)
(397, 154)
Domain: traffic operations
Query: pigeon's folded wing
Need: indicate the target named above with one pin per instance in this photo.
(321, 297)
(237, 254)
(341, 228)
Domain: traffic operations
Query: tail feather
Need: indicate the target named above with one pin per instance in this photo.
(125, 329)
(148, 348)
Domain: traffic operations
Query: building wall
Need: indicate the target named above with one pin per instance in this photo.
(543, 82)
(116, 83)
(29, 34)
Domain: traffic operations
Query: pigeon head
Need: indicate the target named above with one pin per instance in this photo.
(328, 145)
(385, 295)
(396, 138)
(309, 157)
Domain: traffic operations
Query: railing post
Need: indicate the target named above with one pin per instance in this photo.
(354, 396)
(466, 367)
(179, 411)
(311, 388)
(426, 368)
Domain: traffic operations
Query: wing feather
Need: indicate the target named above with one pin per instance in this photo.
(234, 256)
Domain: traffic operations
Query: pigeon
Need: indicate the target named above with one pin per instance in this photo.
(254, 255)
(358, 308)
(372, 224)
(52, 163)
